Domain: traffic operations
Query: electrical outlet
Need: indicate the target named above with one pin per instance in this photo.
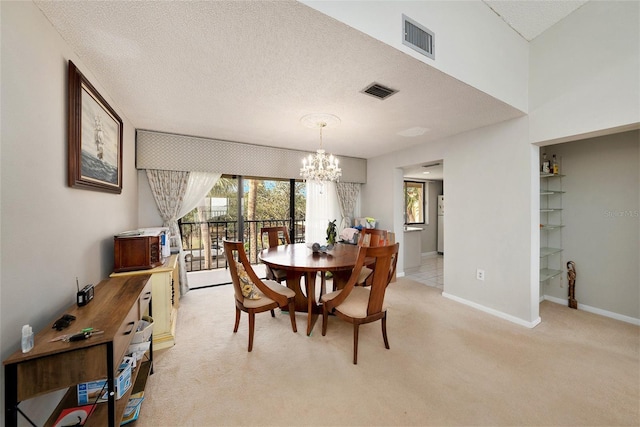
(480, 274)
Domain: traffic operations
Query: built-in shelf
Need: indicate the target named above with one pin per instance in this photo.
(551, 226)
(549, 251)
(548, 273)
(550, 219)
(550, 192)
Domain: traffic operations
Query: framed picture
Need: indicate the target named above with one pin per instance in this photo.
(95, 138)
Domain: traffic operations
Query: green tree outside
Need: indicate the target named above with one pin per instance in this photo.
(263, 200)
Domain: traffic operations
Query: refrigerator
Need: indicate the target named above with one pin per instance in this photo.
(440, 241)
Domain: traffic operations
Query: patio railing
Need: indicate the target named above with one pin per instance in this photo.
(193, 241)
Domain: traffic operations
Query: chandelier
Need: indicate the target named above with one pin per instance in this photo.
(320, 166)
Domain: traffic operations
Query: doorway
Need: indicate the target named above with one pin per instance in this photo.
(424, 259)
(237, 208)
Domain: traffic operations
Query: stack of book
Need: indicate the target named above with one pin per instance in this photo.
(132, 410)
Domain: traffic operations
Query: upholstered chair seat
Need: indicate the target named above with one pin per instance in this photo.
(265, 300)
(356, 303)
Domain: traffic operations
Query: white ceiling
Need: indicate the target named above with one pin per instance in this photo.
(247, 71)
(532, 18)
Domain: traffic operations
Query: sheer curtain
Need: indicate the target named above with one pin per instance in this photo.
(176, 193)
(199, 185)
(322, 207)
(348, 193)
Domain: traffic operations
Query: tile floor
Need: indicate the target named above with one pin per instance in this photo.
(431, 271)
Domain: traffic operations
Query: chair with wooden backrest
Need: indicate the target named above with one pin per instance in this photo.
(359, 304)
(275, 236)
(371, 237)
(252, 295)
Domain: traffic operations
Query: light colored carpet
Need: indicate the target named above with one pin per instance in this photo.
(449, 364)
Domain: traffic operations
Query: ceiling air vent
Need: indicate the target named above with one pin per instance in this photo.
(417, 37)
(379, 91)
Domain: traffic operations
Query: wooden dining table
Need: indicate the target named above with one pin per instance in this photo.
(299, 261)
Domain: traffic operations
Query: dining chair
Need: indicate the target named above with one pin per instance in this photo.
(253, 295)
(358, 304)
(371, 237)
(276, 236)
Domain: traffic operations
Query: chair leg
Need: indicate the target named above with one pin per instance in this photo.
(384, 331)
(235, 328)
(273, 313)
(292, 314)
(252, 321)
(325, 319)
(356, 327)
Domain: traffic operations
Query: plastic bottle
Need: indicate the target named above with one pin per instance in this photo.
(555, 167)
(27, 338)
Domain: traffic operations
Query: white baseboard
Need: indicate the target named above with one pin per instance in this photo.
(399, 273)
(595, 310)
(493, 312)
(429, 254)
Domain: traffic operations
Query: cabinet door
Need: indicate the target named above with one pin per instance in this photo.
(161, 303)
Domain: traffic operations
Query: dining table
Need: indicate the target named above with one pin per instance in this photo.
(300, 261)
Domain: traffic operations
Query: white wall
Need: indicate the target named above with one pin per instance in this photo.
(472, 43)
(584, 81)
(584, 72)
(148, 213)
(50, 233)
(488, 180)
(601, 216)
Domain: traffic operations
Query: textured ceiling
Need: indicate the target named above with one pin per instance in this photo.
(248, 71)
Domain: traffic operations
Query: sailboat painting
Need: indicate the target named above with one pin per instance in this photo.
(99, 142)
(95, 138)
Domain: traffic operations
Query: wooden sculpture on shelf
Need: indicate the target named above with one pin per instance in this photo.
(571, 276)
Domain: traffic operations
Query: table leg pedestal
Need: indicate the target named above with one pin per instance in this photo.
(340, 279)
(305, 302)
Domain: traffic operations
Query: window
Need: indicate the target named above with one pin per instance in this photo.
(414, 202)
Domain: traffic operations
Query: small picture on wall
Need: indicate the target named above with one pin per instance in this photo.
(95, 138)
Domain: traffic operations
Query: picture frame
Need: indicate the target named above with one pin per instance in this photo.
(94, 138)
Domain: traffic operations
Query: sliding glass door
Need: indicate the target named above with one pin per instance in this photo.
(237, 208)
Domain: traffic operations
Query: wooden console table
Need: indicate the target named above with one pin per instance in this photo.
(166, 298)
(117, 307)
